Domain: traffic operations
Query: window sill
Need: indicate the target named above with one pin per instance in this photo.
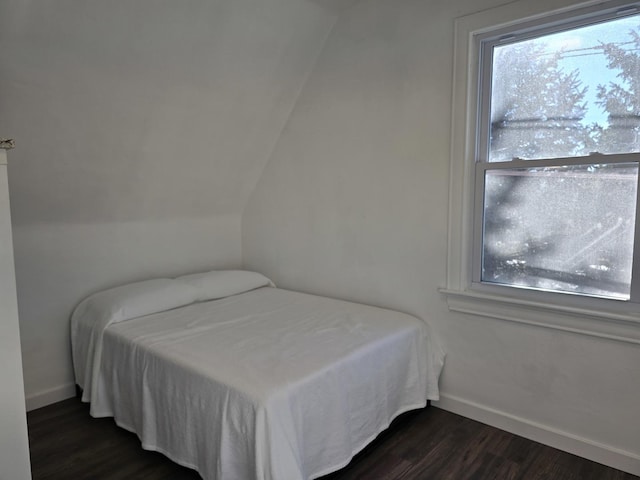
(621, 327)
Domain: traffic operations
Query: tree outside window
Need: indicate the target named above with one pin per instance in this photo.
(560, 188)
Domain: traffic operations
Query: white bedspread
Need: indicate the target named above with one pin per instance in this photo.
(268, 384)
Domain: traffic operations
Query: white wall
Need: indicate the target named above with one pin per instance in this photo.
(353, 204)
(141, 129)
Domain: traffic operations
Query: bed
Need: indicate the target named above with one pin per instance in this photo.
(226, 374)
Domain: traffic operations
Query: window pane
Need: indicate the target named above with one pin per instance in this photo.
(567, 229)
(567, 94)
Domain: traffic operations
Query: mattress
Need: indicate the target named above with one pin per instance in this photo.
(268, 384)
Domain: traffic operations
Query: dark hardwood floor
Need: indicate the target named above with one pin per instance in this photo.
(67, 444)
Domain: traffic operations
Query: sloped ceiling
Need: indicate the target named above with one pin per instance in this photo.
(150, 109)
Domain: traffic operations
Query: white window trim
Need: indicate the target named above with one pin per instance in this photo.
(610, 319)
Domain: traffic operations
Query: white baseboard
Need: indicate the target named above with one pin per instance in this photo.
(47, 397)
(568, 442)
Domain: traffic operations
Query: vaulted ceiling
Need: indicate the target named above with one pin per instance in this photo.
(150, 109)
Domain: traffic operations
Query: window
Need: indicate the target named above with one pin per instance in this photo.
(545, 165)
(557, 158)
(560, 227)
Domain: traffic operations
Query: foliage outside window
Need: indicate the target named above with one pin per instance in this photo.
(557, 159)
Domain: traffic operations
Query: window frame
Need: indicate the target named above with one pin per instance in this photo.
(608, 318)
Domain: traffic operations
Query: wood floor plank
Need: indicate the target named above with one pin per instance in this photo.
(66, 443)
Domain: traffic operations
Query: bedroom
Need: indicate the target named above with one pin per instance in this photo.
(305, 139)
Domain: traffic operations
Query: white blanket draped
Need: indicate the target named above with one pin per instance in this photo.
(266, 385)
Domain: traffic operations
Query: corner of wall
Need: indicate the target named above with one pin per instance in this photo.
(272, 149)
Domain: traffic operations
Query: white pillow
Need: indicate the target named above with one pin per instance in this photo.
(136, 300)
(223, 283)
